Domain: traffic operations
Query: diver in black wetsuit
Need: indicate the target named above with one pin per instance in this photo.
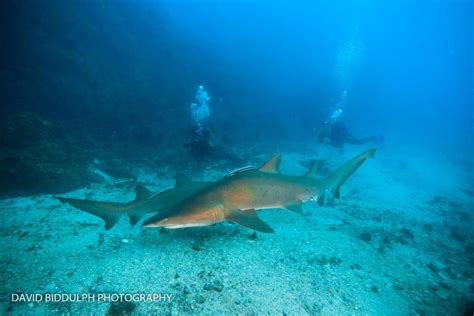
(200, 145)
(202, 148)
(337, 135)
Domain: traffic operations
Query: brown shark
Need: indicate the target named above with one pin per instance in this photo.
(145, 202)
(237, 196)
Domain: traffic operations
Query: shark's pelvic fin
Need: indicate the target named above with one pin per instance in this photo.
(272, 165)
(249, 219)
(340, 175)
(95, 208)
(142, 193)
(182, 179)
(313, 169)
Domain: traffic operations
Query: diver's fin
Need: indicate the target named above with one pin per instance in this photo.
(142, 193)
(249, 219)
(95, 208)
(297, 208)
(134, 218)
(181, 179)
(272, 165)
(313, 168)
(340, 175)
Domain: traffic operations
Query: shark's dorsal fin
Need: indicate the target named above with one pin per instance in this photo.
(313, 169)
(248, 218)
(182, 179)
(142, 193)
(272, 165)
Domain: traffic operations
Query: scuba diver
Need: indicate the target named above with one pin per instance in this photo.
(337, 135)
(200, 146)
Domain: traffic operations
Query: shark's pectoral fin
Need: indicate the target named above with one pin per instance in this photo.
(249, 219)
(297, 208)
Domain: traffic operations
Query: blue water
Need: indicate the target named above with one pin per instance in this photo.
(96, 95)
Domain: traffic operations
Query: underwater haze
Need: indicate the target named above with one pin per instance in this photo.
(140, 149)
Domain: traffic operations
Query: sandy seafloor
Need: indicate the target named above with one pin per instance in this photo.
(398, 241)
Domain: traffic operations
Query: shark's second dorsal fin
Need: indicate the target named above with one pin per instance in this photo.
(272, 165)
(313, 169)
(182, 179)
(142, 193)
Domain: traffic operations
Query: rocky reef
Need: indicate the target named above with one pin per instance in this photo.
(38, 156)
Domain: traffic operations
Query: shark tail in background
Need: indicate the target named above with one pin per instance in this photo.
(104, 210)
(110, 212)
(334, 181)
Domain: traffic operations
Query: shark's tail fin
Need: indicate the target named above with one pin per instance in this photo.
(340, 175)
(110, 212)
(97, 208)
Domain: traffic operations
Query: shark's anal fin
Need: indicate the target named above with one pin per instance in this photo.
(110, 221)
(142, 193)
(249, 219)
(297, 208)
(134, 218)
(272, 165)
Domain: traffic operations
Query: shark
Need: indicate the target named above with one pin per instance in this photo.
(238, 196)
(145, 202)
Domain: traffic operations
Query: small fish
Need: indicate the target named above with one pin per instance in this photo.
(121, 181)
(237, 197)
(145, 202)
